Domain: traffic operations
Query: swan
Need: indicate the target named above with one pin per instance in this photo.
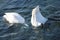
(37, 18)
(13, 17)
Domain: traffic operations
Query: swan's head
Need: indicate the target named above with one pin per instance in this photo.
(35, 10)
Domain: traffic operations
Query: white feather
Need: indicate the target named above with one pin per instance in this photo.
(37, 19)
(13, 17)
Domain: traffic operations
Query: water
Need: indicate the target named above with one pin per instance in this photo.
(49, 9)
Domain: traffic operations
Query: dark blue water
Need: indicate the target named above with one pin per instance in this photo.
(49, 9)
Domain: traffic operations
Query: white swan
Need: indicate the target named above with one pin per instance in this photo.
(37, 19)
(13, 17)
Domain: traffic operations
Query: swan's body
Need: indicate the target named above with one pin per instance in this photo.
(37, 19)
(14, 17)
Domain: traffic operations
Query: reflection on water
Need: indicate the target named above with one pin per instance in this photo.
(49, 9)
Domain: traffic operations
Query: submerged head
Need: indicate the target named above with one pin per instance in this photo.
(37, 18)
(14, 18)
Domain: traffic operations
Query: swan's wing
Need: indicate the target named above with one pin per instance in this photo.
(38, 15)
(15, 17)
(19, 18)
(9, 18)
(40, 18)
